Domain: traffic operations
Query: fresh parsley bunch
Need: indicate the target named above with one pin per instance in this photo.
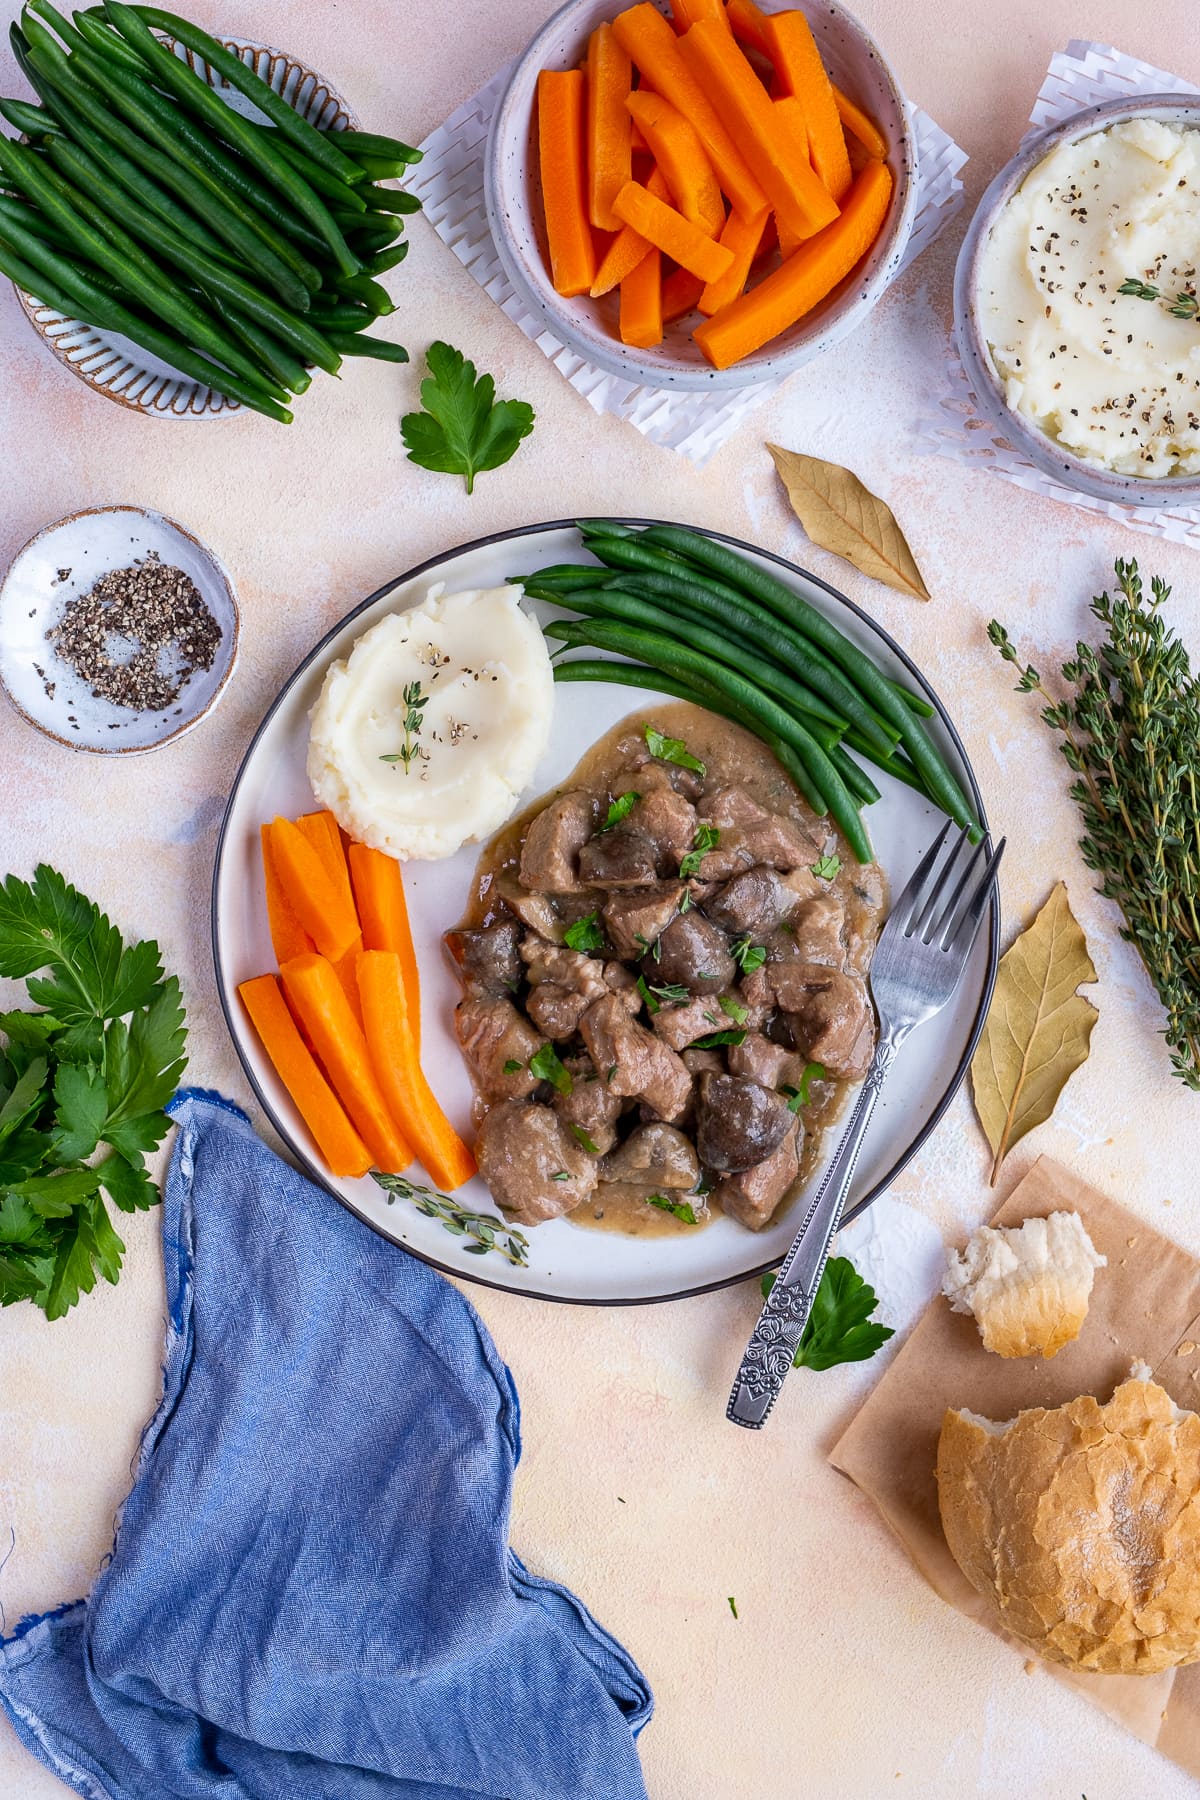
(83, 1083)
(839, 1329)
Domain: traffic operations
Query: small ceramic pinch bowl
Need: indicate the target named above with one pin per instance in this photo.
(987, 384)
(65, 561)
(588, 327)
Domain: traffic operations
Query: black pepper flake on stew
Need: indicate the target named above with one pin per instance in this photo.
(138, 635)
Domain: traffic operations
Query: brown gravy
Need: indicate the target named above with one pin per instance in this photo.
(741, 759)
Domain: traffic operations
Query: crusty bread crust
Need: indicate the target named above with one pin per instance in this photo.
(1082, 1525)
(1028, 1285)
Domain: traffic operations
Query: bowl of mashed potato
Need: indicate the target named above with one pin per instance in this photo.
(1076, 303)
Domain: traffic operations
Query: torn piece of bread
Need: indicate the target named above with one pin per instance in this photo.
(1081, 1525)
(1027, 1285)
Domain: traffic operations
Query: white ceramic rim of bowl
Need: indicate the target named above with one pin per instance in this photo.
(100, 358)
(1047, 455)
(232, 638)
(304, 1155)
(606, 352)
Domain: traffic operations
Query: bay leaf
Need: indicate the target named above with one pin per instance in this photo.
(841, 514)
(1038, 1029)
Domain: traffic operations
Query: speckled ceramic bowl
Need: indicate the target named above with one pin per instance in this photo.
(987, 385)
(588, 326)
(64, 561)
(122, 370)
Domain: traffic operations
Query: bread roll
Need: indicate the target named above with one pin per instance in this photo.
(1028, 1285)
(1081, 1525)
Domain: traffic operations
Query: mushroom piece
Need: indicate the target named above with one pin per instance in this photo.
(738, 1122)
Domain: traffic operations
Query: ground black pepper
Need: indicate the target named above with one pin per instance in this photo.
(138, 635)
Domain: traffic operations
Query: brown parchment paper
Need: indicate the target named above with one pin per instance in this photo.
(1145, 1306)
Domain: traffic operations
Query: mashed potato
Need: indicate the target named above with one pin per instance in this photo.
(1112, 377)
(483, 696)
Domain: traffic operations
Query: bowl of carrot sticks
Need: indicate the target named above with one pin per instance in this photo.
(705, 197)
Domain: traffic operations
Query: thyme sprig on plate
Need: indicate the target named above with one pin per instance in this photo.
(485, 1229)
(415, 702)
(1185, 305)
(1130, 727)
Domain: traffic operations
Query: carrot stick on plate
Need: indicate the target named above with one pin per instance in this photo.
(748, 23)
(564, 185)
(382, 907)
(322, 909)
(609, 128)
(341, 1148)
(860, 126)
(641, 315)
(323, 833)
(682, 159)
(627, 249)
(393, 1051)
(315, 995)
(743, 237)
(685, 243)
(793, 51)
(288, 936)
(681, 294)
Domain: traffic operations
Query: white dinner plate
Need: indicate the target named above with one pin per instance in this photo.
(565, 1261)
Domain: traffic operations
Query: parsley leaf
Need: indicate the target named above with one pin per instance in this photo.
(619, 809)
(585, 934)
(746, 955)
(798, 1096)
(582, 1138)
(732, 1010)
(513, 1067)
(715, 1040)
(679, 1209)
(672, 750)
(827, 868)
(651, 1004)
(838, 1330)
(463, 429)
(707, 838)
(547, 1066)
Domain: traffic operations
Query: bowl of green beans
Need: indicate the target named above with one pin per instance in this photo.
(195, 226)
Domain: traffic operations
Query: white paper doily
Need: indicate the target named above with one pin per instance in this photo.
(449, 184)
(1082, 75)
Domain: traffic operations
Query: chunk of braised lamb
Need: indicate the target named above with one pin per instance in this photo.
(623, 983)
(752, 903)
(756, 996)
(669, 821)
(553, 841)
(563, 984)
(771, 1064)
(591, 1108)
(862, 928)
(753, 1196)
(680, 1026)
(647, 774)
(531, 1162)
(694, 953)
(738, 1122)
(817, 931)
(488, 959)
(636, 918)
(750, 834)
(653, 1156)
(538, 911)
(493, 1035)
(620, 858)
(830, 1014)
(632, 1061)
(702, 1062)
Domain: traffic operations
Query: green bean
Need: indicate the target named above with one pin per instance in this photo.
(387, 259)
(347, 199)
(21, 213)
(70, 36)
(940, 784)
(229, 65)
(341, 318)
(224, 213)
(390, 200)
(368, 239)
(64, 286)
(34, 121)
(361, 287)
(195, 94)
(219, 282)
(370, 143)
(676, 659)
(855, 778)
(895, 765)
(914, 702)
(566, 576)
(381, 168)
(106, 42)
(275, 357)
(351, 345)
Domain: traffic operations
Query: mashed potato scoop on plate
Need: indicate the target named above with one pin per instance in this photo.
(425, 735)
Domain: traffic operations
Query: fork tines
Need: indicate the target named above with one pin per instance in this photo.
(923, 909)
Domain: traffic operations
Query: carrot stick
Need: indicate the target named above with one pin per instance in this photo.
(342, 1149)
(315, 995)
(637, 142)
(288, 936)
(743, 237)
(564, 187)
(318, 904)
(805, 279)
(799, 198)
(671, 233)
(793, 51)
(748, 23)
(684, 13)
(790, 113)
(641, 319)
(609, 136)
(446, 1159)
(383, 909)
(681, 156)
(657, 54)
(860, 126)
(628, 247)
(680, 294)
(322, 831)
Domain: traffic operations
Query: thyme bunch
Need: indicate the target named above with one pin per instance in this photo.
(486, 1231)
(1130, 728)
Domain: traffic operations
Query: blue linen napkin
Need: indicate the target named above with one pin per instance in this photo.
(312, 1595)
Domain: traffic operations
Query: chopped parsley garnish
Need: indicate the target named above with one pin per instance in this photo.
(673, 992)
(610, 1071)
(585, 934)
(746, 955)
(707, 838)
(733, 1606)
(648, 1000)
(560, 1175)
(717, 1039)
(686, 902)
(732, 1010)
(582, 1137)
(646, 947)
(513, 1067)
(827, 868)
(798, 1096)
(672, 750)
(678, 1209)
(545, 1064)
(620, 809)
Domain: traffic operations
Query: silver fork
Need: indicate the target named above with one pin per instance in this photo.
(922, 952)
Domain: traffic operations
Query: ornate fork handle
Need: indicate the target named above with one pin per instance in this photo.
(776, 1338)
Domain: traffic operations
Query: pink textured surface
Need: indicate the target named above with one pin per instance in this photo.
(843, 1678)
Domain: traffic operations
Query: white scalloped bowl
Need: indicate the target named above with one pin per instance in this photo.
(121, 370)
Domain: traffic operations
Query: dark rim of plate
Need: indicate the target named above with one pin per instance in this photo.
(472, 1272)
